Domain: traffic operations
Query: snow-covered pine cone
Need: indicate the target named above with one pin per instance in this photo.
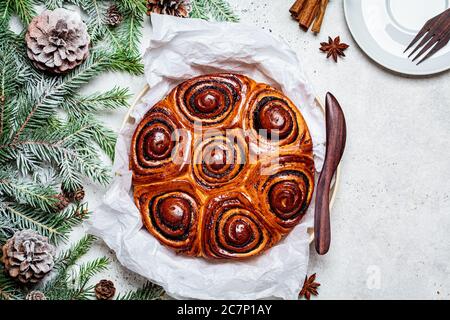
(35, 295)
(57, 41)
(113, 16)
(28, 256)
(177, 8)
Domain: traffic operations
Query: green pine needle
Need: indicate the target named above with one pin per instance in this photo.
(27, 192)
(136, 7)
(68, 258)
(89, 270)
(69, 283)
(55, 226)
(24, 9)
(149, 291)
(199, 9)
(8, 287)
(219, 10)
(115, 98)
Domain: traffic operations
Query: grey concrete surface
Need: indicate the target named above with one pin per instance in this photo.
(391, 219)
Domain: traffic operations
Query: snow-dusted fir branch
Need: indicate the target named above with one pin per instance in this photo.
(148, 291)
(219, 10)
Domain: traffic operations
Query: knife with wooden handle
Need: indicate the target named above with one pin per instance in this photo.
(336, 137)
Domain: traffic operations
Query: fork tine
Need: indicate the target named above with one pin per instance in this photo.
(424, 30)
(430, 43)
(435, 49)
(424, 41)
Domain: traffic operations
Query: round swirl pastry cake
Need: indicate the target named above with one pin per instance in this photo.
(222, 167)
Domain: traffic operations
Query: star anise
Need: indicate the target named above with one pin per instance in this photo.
(334, 48)
(309, 287)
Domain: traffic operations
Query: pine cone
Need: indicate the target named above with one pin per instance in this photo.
(81, 213)
(57, 41)
(35, 295)
(178, 8)
(105, 290)
(77, 195)
(62, 203)
(28, 256)
(113, 16)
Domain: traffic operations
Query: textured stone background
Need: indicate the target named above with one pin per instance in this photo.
(391, 219)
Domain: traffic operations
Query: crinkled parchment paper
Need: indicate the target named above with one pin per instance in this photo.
(180, 49)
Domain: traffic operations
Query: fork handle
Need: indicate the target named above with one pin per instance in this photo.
(336, 138)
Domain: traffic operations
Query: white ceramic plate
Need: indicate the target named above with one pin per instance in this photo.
(384, 28)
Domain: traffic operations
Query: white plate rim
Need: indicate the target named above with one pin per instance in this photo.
(359, 39)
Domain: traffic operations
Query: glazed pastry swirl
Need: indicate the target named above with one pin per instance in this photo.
(272, 118)
(219, 159)
(158, 146)
(286, 190)
(233, 229)
(171, 213)
(209, 101)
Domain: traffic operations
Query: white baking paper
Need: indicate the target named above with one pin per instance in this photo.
(181, 49)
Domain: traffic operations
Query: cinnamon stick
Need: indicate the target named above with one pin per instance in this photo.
(309, 12)
(296, 8)
(318, 23)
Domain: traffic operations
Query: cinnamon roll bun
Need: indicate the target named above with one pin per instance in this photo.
(285, 189)
(233, 228)
(233, 187)
(171, 213)
(272, 120)
(159, 147)
(219, 159)
(210, 101)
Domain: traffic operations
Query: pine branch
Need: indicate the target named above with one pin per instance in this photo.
(2, 112)
(68, 259)
(96, 64)
(24, 9)
(27, 192)
(96, 11)
(124, 61)
(136, 7)
(88, 270)
(105, 138)
(8, 287)
(54, 226)
(115, 98)
(6, 231)
(130, 30)
(149, 291)
(24, 217)
(199, 9)
(221, 10)
(13, 74)
(45, 98)
(6, 10)
(53, 4)
(74, 156)
(73, 285)
(83, 130)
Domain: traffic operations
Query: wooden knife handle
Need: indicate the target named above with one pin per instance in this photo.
(336, 137)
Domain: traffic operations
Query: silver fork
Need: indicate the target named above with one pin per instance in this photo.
(435, 33)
